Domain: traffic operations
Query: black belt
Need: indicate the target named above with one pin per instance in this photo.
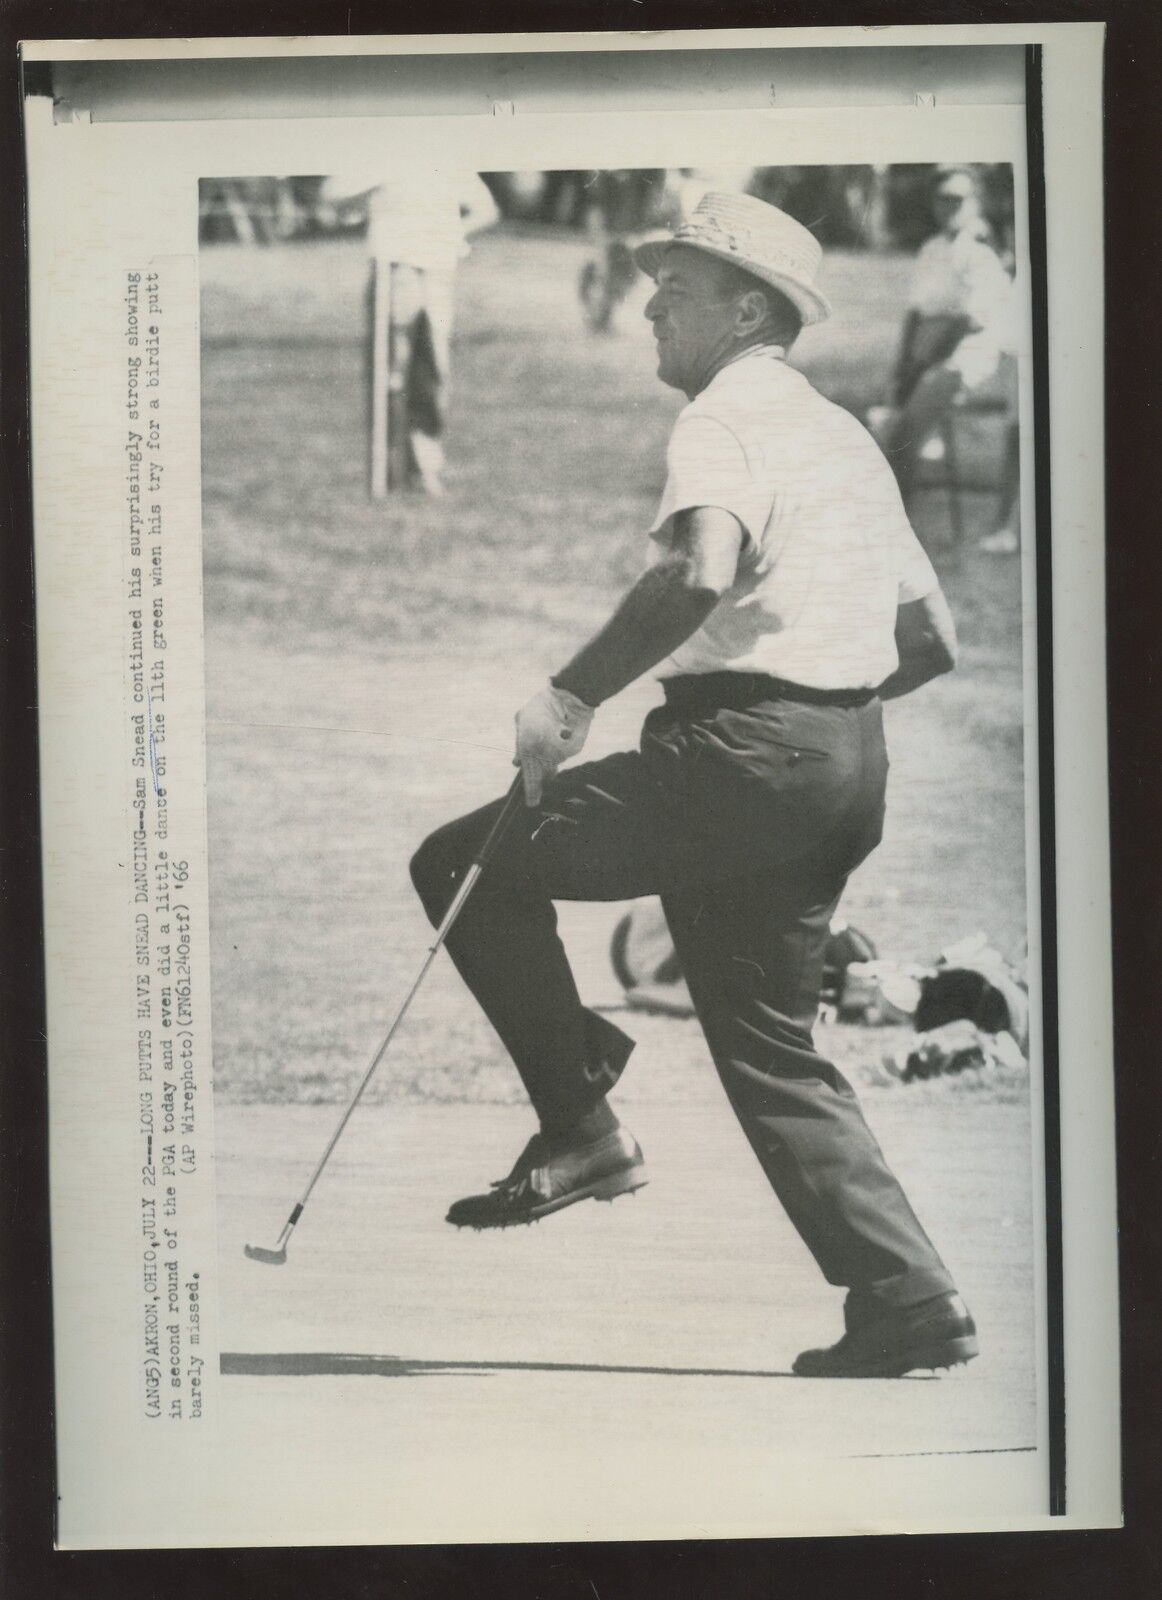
(712, 691)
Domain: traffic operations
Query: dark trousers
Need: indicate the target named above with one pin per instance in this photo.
(746, 818)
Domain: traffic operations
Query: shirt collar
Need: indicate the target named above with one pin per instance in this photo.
(753, 352)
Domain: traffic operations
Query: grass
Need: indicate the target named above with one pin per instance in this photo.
(363, 660)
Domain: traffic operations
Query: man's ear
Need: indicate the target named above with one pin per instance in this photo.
(751, 312)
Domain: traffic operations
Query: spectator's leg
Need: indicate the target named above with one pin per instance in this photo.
(407, 300)
(921, 415)
(429, 378)
(1005, 539)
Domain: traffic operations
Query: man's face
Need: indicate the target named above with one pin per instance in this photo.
(951, 206)
(693, 319)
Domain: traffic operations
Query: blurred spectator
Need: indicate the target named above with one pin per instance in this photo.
(419, 221)
(686, 186)
(250, 210)
(623, 202)
(619, 203)
(956, 329)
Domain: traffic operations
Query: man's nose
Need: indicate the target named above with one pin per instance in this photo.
(653, 307)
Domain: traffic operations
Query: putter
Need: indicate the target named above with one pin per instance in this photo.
(276, 1257)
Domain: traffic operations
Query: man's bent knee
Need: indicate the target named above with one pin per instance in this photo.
(434, 871)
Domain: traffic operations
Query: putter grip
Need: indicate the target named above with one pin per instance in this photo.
(514, 802)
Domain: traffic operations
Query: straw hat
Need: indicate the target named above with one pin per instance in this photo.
(755, 236)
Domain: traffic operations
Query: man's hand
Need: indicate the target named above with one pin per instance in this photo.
(925, 643)
(669, 602)
(549, 729)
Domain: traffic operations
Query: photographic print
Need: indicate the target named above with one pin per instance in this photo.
(586, 744)
(370, 635)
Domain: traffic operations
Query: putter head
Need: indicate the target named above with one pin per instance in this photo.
(271, 1258)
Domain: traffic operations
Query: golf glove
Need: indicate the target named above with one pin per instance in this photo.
(550, 729)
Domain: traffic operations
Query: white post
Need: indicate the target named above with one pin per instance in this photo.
(380, 335)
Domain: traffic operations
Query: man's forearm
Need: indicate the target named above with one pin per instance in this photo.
(912, 672)
(658, 614)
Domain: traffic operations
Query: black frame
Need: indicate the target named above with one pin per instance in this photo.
(1018, 1565)
(1054, 1241)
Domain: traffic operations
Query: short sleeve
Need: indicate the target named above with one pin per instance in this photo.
(916, 574)
(988, 289)
(706, 465)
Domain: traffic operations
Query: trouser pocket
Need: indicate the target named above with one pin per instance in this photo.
(766, 786)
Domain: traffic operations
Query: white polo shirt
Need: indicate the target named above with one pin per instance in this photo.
(960, 275)
(829, 553)
(416, 215)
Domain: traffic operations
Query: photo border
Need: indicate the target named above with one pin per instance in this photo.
(1071, 1562)
(1047, 797)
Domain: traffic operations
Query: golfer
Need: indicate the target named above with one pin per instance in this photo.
(419, 222)
(785, 598)
(957, 329)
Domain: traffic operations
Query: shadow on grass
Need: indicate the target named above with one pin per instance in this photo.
(325, 1364)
